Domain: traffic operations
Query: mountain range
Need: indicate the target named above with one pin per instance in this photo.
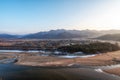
(115, 37)
(61, 34)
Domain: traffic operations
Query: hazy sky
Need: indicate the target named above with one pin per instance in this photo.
(27, 16)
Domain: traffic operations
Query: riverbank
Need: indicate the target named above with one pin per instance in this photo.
(6, 56)
(115, 71)
(103, 59)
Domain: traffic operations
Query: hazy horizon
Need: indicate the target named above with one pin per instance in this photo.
(30, 16)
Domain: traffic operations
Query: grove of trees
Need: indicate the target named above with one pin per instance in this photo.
(91, 48)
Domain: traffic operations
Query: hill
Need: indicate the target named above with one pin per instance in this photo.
(8, 36)
(115, 37)
(62, 34)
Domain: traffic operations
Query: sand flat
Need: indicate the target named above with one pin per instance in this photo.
(115, 71)
(102, 59)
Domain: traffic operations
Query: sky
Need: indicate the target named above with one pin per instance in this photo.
(30, 16)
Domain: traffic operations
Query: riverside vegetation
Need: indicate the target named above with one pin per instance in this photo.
(91, 48)
(70, 46)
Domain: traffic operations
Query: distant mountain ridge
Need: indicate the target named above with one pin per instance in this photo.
(115, 37)
(10, 36)
(7, 36)
(61, 34)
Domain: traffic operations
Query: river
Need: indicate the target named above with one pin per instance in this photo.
(16, 72)
(46, 53)
(10, 71)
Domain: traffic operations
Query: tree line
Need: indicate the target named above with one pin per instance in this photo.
(91, 48)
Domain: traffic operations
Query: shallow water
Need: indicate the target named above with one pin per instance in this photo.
(75, 56)
(15, 72)
(2, 51)
(42, 51)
